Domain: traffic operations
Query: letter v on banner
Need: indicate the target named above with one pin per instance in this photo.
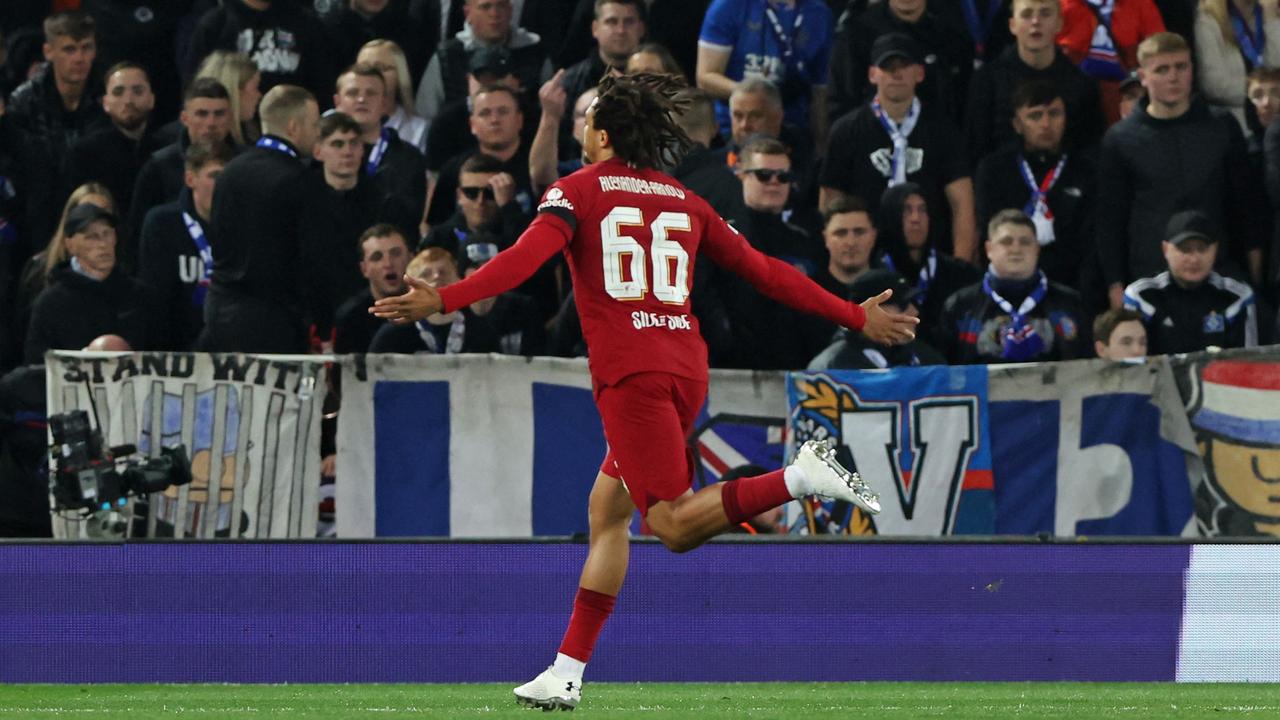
(916, 437)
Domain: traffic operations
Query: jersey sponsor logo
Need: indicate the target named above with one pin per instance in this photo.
(640, 186)
(641, 320)
(555, 199)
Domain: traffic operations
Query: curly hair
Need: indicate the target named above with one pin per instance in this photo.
(637, 111)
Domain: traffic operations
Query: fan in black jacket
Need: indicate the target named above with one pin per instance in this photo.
(89, 295)
(1015, 314)
(905, 248)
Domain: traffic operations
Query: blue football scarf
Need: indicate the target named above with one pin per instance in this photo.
(1019, 341)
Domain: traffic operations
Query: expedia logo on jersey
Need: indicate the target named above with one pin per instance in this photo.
(643, 320)
(555, 199)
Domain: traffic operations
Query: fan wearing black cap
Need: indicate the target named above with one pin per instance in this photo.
(1016, 314)
(89, 295)
(898, 137)
(948, 64)
(854, 351)
(1190, 307)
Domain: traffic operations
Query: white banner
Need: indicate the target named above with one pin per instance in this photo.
(250, 424)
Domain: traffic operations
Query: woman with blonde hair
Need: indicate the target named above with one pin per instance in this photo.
(390, 60)
(654, 58)
(241, 77)
(35, 273)
(1233, 38)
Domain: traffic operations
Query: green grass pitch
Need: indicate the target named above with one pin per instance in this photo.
(955, 701)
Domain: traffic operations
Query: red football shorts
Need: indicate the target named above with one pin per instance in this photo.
(647, 418)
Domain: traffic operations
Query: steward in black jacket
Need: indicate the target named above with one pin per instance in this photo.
(264, 214)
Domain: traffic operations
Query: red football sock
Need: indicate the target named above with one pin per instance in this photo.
(746, 498)
(590, 610)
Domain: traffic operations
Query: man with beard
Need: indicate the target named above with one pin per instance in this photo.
(114, 155)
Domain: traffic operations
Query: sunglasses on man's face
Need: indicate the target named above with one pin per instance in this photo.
(765, 175)
(474, 193)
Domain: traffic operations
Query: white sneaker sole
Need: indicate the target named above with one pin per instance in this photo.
(548, 705)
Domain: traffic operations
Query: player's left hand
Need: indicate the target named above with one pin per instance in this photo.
(887, 328)
(419, 302)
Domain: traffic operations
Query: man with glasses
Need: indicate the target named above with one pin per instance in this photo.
(485, 199)
(767, 335)
(496, 123)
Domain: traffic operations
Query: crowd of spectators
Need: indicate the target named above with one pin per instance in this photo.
(248, 175)
(1036, 179)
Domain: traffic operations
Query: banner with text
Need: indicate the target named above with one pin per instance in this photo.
(250, 425)
(500, 446)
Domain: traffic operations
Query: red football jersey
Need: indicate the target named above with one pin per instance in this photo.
(631, 237)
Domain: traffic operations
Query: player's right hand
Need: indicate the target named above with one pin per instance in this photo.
(419, 302)
(884, 327)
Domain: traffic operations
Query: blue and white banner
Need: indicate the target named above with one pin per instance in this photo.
(501, 446)
(1076, 448)
(1091, 448)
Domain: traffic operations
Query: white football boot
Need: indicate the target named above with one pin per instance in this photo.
(828, 478)
(550, 692)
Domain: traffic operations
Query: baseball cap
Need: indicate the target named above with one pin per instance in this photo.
(895, 45)
(1130, 80)
(494, 61)
(873, 282)
(1188, 225)
(479, 248)
(84, 215)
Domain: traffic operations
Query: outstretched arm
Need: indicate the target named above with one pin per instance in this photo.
(545, 236)
(784, 283)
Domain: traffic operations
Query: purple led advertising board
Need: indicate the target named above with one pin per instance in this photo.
(475, 612)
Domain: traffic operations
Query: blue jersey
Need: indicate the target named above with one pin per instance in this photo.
(757, 45)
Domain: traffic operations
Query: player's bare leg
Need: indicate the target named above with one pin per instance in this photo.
(694, 518)
(609, 511)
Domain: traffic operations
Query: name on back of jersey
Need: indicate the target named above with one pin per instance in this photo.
(641, 320)
(640, 186)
